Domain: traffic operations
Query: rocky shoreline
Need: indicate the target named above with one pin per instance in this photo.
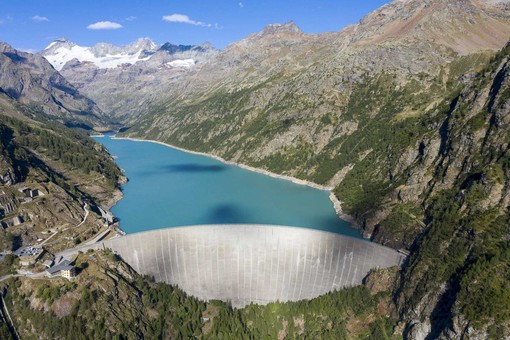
(337, 204)
(117, 196)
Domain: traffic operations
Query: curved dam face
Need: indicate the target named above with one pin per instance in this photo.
(252, 263)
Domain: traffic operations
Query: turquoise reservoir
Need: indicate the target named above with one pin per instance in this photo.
(169, 188)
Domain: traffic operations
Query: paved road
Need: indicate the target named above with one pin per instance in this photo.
(27, 274)
(99, 237)
(85, 207)
(92, 243)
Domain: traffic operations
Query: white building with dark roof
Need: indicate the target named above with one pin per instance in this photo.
(63, 269)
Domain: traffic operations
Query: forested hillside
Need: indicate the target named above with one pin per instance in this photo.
(51, 177)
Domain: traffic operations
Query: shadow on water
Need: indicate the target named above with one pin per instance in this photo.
(227, 213)
(190, 167)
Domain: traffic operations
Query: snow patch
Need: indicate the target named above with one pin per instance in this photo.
(185, 63)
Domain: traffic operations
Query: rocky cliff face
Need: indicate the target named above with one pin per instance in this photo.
(30, 80)
(124, 80)
(451, 287)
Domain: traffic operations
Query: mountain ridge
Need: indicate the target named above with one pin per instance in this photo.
(103, 55)
(31, 80)
(270, 62)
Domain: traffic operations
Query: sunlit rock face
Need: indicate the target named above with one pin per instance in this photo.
(252, 263)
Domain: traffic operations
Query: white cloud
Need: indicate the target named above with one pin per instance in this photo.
(38, 18)
(130, 18)
(184, 19)
(241, 5)
(104, 25)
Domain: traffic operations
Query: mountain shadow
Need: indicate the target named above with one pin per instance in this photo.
(190, 167)
(227, 214)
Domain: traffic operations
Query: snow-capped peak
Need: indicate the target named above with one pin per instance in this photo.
(60, 42)
(144, 43)
(102, 55)
(51, 45)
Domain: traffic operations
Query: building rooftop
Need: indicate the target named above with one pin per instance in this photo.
(64, 265)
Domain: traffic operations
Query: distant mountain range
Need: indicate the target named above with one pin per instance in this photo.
(108, 56)
(124, 80)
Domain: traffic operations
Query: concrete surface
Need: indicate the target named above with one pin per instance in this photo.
(252, 263)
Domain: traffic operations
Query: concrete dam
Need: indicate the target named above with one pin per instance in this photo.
(252, 263)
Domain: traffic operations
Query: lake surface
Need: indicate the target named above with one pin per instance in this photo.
(169, 188)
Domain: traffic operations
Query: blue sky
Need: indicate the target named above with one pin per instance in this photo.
(33, 24)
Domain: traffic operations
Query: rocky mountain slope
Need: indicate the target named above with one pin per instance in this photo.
(456, 282)
(405, 116)
(30, 80)
(124, 80)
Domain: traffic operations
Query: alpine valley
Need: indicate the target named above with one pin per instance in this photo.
(404, 115)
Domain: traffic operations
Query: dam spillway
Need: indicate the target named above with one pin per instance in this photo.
(252, 263)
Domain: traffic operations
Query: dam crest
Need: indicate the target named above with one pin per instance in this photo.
(242, 264)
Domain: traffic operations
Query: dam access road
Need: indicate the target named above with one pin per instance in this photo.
(242, 264)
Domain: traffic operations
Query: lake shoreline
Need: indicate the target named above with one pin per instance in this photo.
(337, 204)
